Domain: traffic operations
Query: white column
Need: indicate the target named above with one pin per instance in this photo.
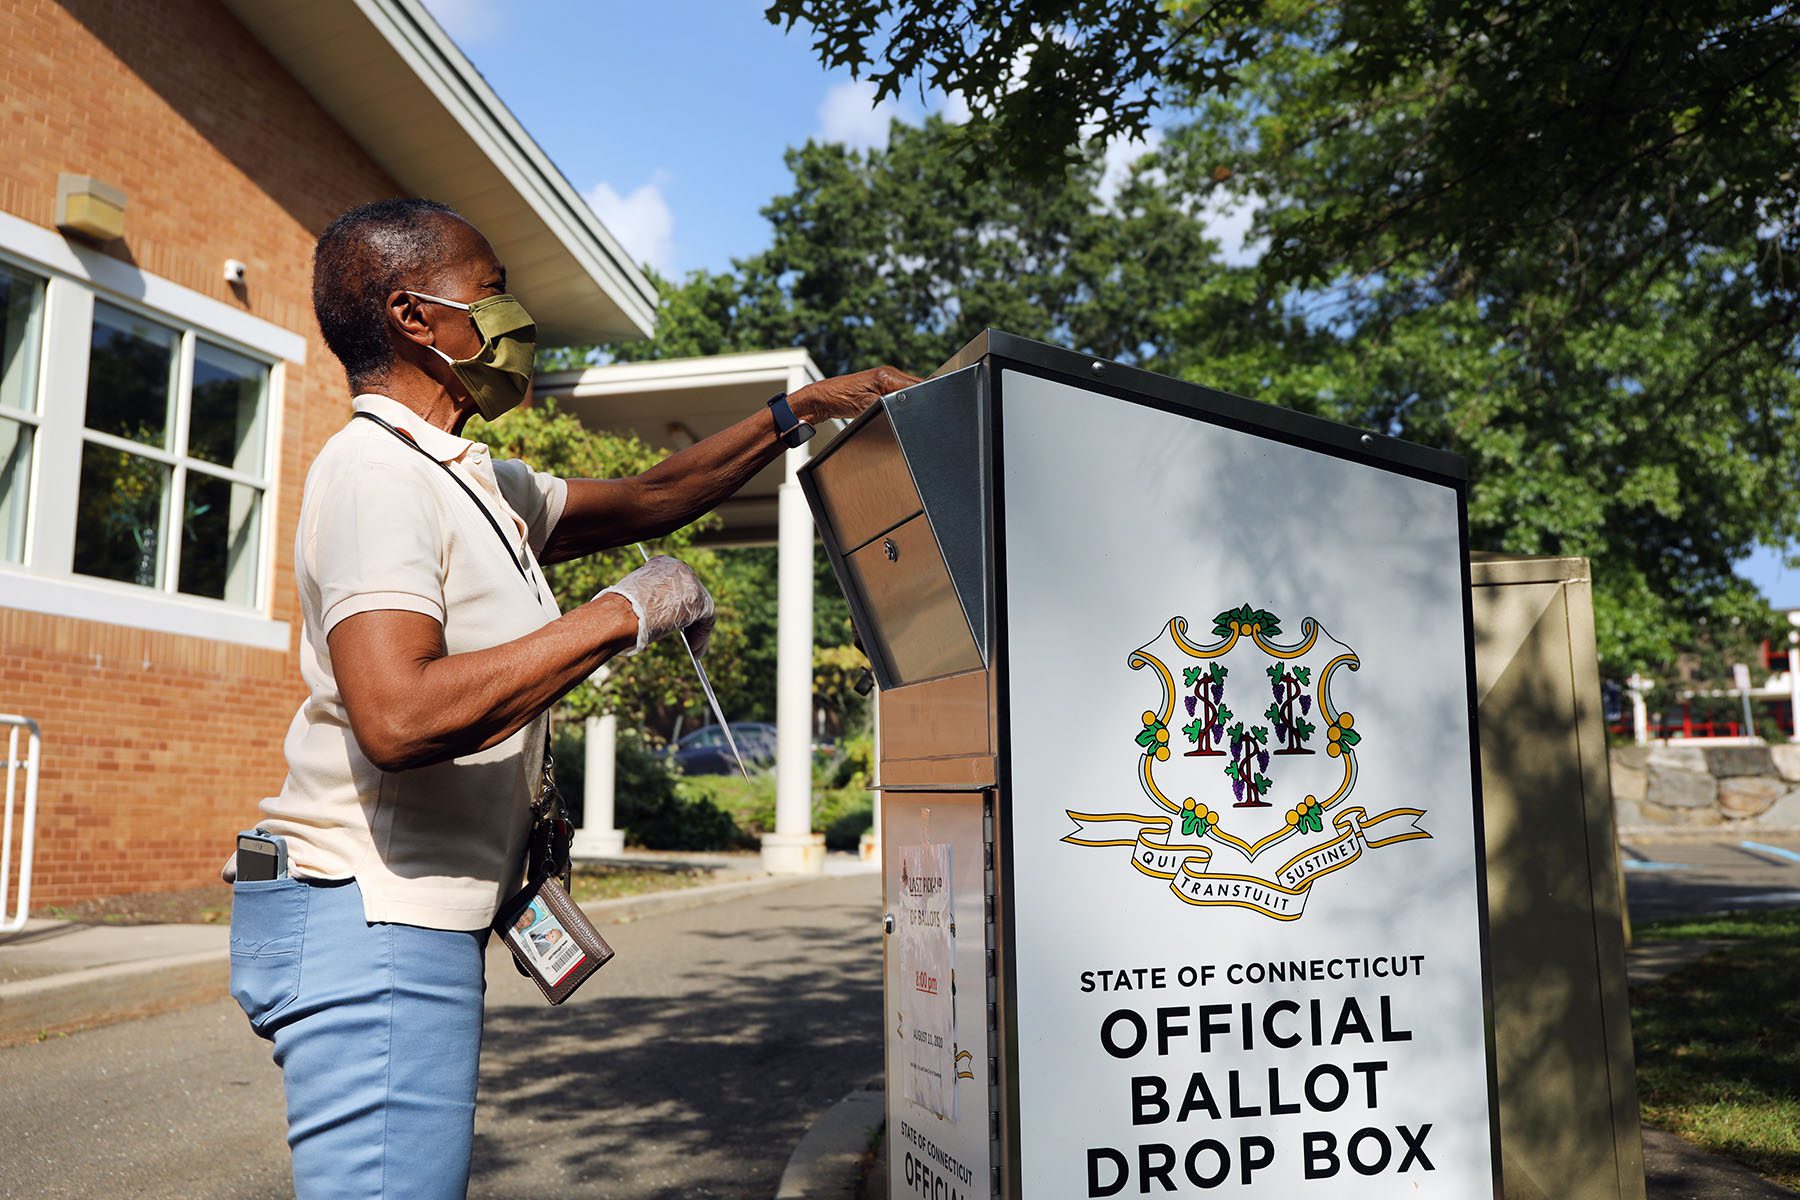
(597, 838)
(1794, 686)
(793, 849)
(1640, 712)
(870, 848)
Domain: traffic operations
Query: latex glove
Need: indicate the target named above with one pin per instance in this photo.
(666, 595)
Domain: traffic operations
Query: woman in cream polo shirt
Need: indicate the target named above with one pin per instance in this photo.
(431, 648)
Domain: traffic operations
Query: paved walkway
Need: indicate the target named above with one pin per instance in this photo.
(690, 1067)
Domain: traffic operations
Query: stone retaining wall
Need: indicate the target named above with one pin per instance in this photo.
(1703, 787)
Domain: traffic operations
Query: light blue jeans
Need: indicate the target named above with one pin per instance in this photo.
(377, 1030)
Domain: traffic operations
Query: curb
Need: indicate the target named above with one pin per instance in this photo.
(68, 1001)
(827, 1163)
(33, 1009)
(651, 904)
(1704, 833)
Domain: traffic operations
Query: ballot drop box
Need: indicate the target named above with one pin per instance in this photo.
(1180, 800)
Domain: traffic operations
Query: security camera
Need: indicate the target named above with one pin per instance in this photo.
(234, 271)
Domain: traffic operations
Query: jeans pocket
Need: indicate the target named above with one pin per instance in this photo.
(268, 925)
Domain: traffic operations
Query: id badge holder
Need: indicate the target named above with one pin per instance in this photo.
(551, 939)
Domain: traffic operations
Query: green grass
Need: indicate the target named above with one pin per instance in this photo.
(1718, 1043)
(1775, 924)
(611, 883)
(841, 814)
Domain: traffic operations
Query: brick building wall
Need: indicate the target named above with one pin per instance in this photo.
(157, 747)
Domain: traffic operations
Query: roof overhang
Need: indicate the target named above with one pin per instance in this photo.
(673, 402)
(398, 85)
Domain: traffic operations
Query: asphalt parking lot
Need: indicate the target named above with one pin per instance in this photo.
(1670, 878)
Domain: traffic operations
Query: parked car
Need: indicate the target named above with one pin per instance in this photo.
(706, 752)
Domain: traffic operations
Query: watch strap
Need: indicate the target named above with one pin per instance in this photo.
(788, 426)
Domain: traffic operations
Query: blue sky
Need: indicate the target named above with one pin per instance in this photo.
(671, 117)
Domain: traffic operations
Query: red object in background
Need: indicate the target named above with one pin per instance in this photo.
(1681, 724)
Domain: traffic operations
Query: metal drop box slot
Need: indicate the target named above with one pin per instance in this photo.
(1014, 536)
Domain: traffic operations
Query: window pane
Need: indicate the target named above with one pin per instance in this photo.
(21, 314)
(219, 539)
(15, 488)
(225, 423)
(131, 376)
(121, 516)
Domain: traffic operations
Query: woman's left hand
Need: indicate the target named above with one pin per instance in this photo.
(847, 395)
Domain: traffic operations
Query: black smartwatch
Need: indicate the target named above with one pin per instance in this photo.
(788, 427)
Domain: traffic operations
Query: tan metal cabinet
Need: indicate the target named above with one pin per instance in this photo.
(1568, 1089)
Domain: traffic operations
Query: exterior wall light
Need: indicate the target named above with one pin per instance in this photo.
(89, 207)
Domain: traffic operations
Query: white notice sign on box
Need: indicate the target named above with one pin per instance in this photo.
(927, 950)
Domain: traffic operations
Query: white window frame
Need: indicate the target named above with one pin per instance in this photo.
(76, 277)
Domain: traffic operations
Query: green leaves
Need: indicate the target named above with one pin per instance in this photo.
(901, 254)
(1558, 240)
(1039, 77)
(1246, 619)
(1310, 816)
(1190, 676)
(1194, 822)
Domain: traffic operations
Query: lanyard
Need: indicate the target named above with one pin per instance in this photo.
(516, 560)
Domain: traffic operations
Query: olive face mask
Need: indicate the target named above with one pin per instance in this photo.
(499, 374)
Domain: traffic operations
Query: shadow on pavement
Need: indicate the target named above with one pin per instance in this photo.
(702, 1085)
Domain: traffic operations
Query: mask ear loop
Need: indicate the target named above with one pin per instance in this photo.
(436, 299)
(449, 304)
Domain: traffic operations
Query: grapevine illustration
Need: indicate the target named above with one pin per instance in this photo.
(1207, 856)
(1292, 729)
(1249, 759)
(1207, 707)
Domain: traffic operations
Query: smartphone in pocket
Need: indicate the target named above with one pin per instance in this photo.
(260, 856)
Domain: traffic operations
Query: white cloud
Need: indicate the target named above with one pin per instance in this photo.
(468, 22)
(640, 219)
(955, 109)
(849, 114)
(1121, 154)
(1227, 218)
(1226, 215)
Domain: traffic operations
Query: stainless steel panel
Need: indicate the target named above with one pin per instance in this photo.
(942, 718)
(863, 483)
(937, 774)
(943, 429)
(917, 624)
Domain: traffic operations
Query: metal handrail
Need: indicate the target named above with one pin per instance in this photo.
(28, 830)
